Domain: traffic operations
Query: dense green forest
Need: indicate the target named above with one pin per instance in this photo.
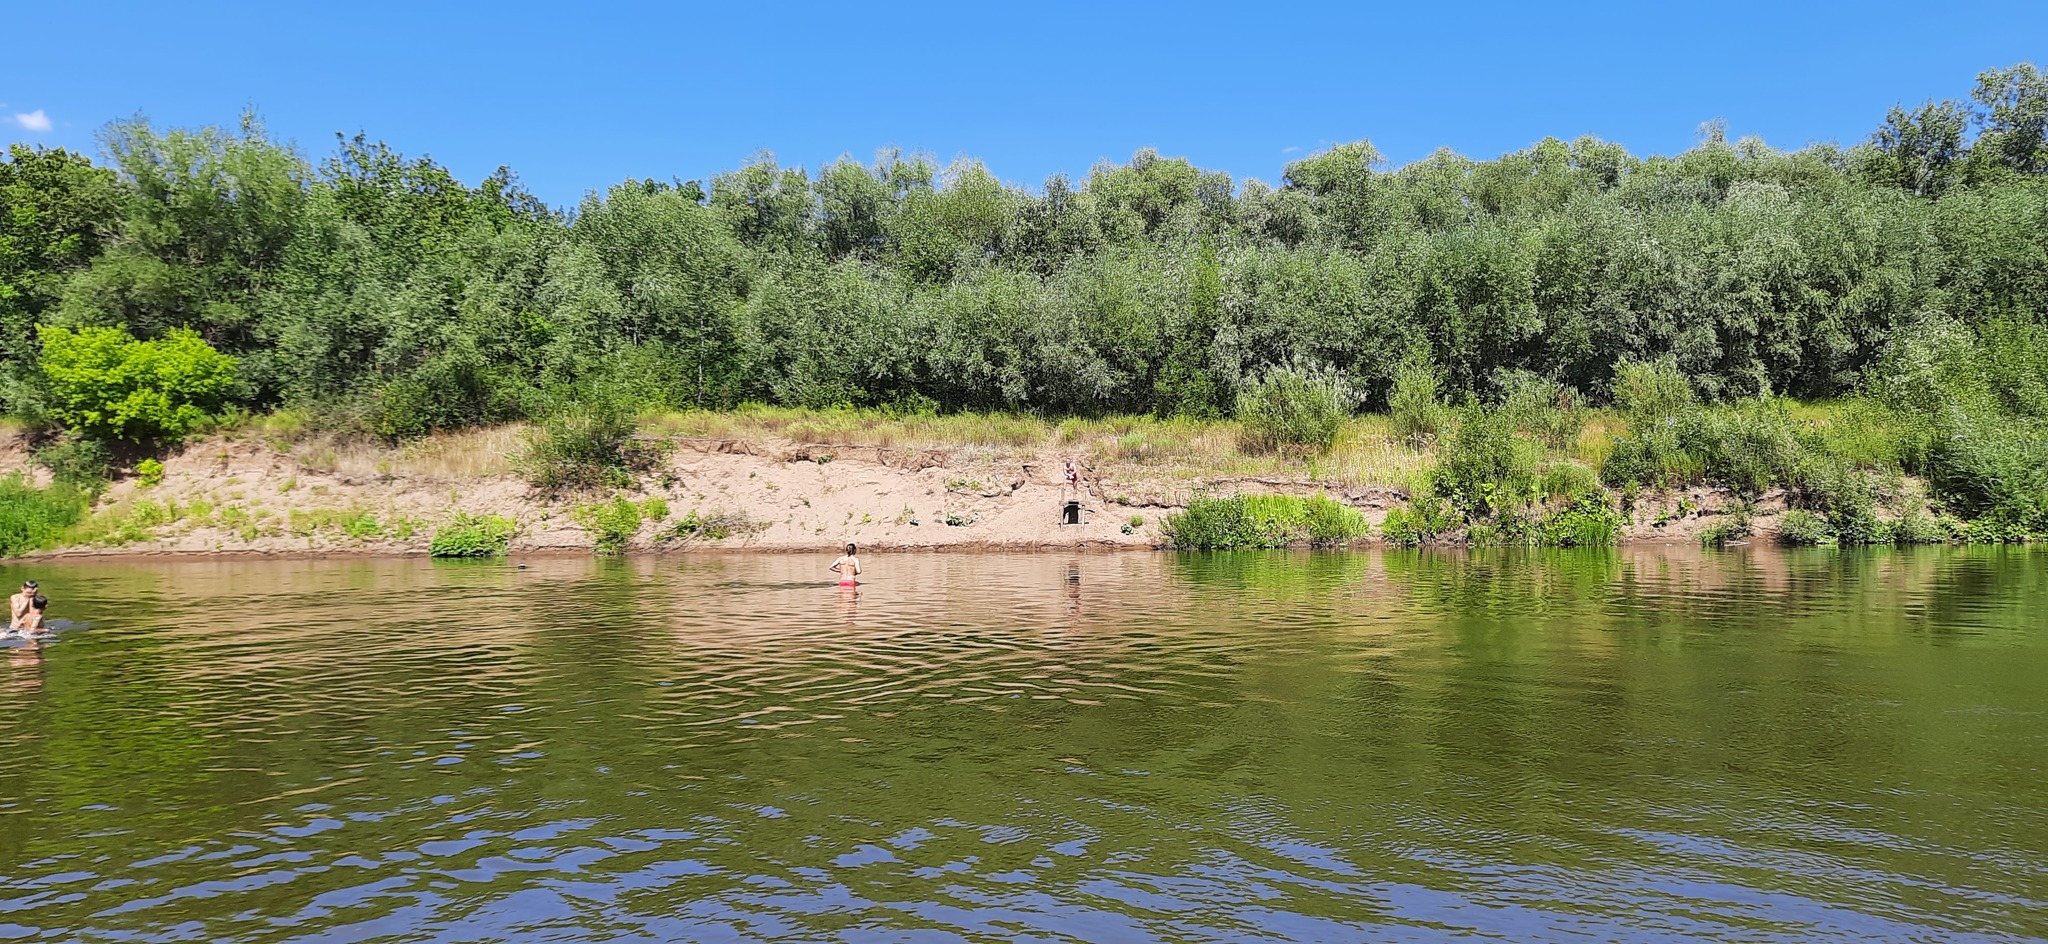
(201, 270)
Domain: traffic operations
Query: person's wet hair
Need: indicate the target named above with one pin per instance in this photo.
(849, 550)
(29, 585)
(40, 602)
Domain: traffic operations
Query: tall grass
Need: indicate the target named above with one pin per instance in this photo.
(35, 518)
(468, 535)
(855, 427)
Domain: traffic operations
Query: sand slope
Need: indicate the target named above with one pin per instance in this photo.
(233, 495)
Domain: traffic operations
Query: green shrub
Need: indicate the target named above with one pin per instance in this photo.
(655, 508)
(1416, 405)
(1972, 420)
(584, 446)
(1425, 520)
(362, 526)
(1994, 469)
(1916, 526)
(1215, 523)
(149, 473)
(449, 391)
(1726, 531)
(470, 535)
(1294, 406)
(1588, 521)
(104, 383)
(1511, 527)
(1550, 411)
(1650, 391)
(1800, 528)
(1845, 496)
(1485, 468)
(1749, 446)
(612, 524)
(77, 462)
(713, 526)
(35, 518)
(1569, 481)
(1253, 521)
(1330, 523)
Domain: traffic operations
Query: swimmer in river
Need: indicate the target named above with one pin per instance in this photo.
(20, 605)
(848, 569)
(32, 624)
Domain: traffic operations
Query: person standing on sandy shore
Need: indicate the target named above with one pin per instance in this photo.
(848, 568)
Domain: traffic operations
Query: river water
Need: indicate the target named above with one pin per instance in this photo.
(1635, 745)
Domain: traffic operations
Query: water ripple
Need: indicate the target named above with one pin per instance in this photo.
(1634, 745)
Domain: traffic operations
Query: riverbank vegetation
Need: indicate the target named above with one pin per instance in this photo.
(1517, 342)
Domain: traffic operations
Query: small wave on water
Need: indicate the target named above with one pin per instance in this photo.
(1636, 745)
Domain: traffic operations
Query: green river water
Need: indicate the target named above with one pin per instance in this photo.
(1645, 744)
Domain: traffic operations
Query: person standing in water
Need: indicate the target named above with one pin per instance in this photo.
(848, 568)
(20, 605)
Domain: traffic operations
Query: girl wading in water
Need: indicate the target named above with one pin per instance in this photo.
(848, 568)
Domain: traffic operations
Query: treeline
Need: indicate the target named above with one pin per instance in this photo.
(380, 292)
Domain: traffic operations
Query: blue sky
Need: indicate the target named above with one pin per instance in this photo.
(579, 96)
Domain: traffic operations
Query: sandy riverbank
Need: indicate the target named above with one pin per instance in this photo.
(240, 495)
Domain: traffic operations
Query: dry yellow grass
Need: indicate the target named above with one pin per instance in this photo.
(1366, 452)
(854, 427)
(469, 454)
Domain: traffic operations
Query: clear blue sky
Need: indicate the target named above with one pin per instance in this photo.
(578, 96)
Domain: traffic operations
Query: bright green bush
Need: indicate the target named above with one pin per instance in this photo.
(1801, 528)
(1748, 446)
(1486, 469)
(612, 524)
(106, 384)
(149, 473)
(1294, 406)
(1329, 522)
(1425, 520)
(1568, 481)
(34, 518)
(470, 535)
(362, 526)
(1253, 521)
(1589, 521)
